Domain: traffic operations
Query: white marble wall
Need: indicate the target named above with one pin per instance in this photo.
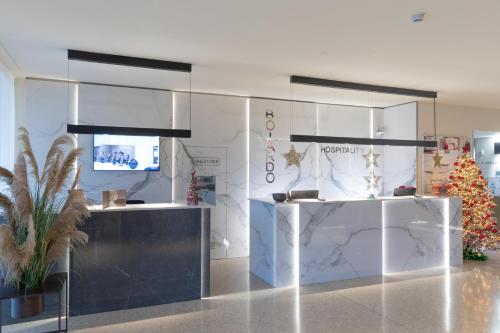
(218, 131)
(270, 139)
(42, 107)
(338, 171)
(128, 107)
(400, 163)
(344, 171)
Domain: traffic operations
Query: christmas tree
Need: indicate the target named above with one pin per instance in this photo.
(193, 197)
(479, 225)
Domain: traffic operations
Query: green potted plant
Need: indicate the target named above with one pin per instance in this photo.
(40, 218)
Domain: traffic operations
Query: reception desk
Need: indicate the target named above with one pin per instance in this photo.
(141, 255)
(312, 241)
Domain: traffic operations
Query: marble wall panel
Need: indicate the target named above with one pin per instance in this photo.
(219, 129)
(127, 107)
(117, 106)
(269, 142)
(400, 163)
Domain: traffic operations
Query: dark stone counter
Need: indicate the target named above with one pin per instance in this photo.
(141, 258)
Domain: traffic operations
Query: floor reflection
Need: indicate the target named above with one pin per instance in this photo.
(480, 296)
(464, 299)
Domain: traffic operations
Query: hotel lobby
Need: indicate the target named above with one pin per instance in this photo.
(170, 166)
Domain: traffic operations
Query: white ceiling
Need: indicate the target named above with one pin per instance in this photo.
(251, 47)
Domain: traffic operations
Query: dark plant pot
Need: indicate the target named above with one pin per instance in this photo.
(279, 197)
(25, 307)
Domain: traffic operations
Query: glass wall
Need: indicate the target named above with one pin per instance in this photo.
(487, 156)
(343, 116)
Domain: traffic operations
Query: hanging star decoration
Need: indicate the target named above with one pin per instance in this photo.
(371, 158)
(292, 157)
(437, 159)
(372, 181)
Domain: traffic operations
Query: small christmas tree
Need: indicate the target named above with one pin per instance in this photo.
(193, 197)
(479, 225)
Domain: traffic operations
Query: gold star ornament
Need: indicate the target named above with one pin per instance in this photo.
(437, 160)
(292, 158)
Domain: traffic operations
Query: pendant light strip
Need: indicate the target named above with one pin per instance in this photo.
(362, 141)
(312, 81)
(113, 59)
(133, 131)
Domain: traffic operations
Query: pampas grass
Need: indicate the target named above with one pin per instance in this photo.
(41, 226)
(6, 176)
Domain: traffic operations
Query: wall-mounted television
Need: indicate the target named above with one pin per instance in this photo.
(126, 153)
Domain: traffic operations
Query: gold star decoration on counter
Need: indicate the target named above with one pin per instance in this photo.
(292, 157)
(372, 181)
(371, 158)
(437, 159)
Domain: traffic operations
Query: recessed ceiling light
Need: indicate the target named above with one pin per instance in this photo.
(418, 17)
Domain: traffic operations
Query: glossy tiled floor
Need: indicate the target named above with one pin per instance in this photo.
(465, 299)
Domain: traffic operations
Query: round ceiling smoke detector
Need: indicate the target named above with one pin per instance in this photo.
(418, 17)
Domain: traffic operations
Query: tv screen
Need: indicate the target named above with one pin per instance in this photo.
(126, 153)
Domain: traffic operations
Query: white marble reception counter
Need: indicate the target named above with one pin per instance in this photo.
(313, 241)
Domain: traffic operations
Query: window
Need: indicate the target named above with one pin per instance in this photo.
(7, 131)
